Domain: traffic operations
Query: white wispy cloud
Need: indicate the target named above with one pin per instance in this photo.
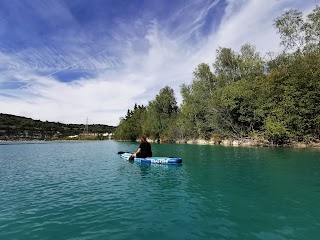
(142, 57)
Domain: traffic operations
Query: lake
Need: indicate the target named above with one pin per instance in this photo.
(84, 190)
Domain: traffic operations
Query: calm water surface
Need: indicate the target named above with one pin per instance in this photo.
(83, 190)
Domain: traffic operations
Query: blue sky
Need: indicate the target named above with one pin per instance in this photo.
(66, 60)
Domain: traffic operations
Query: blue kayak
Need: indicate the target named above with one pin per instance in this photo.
(153, 160)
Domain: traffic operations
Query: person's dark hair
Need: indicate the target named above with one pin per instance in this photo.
(143, 139)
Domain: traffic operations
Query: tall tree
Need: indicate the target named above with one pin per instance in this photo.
(312, 27)
(226, 66)
(196, 97)
(290, 27)
(131, 127)
(230, 66)
(161, 110)
(250, 63)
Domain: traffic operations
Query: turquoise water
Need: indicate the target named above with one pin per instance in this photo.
(83, 190)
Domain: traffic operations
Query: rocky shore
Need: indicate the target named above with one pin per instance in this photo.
(250, 143)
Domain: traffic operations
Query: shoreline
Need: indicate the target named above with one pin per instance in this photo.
(246, 143)
(225, 142)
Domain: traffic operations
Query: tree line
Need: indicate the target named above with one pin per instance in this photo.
(276, 98)
(11, 127)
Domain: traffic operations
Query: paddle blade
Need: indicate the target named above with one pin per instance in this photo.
(121, 152)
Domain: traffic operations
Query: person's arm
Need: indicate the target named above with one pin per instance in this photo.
(135, 154)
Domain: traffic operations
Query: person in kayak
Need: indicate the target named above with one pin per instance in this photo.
(143, 151)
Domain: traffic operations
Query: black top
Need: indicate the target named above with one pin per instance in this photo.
(145, 150)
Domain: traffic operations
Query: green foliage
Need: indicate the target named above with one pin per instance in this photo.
(276, 130)
(226, 66)
(161, 112)
(296, 94)
(312, 27)
(153, 121)
(290, 27)
(231, 66)
(131, 127)
(195, 109)
(238, 108)
(298, 33)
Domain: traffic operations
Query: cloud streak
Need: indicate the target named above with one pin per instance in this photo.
(98, 66)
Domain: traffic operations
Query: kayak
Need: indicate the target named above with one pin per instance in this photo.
(153, 160)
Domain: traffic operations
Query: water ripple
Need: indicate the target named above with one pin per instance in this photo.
(63, 191)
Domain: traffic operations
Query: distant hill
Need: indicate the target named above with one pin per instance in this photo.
(21, 128)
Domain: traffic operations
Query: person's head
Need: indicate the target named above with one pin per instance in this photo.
(143, 139)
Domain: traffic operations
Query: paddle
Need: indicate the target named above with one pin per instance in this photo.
(121, 152)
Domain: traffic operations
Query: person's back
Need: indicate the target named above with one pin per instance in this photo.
(145, 150)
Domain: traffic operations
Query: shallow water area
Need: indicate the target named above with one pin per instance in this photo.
(84, 190)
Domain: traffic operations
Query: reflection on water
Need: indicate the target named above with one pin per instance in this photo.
(158, 169)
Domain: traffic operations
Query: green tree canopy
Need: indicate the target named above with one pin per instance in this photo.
(161, 110)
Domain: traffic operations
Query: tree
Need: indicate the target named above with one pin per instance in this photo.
(226, 66)
(131, 127)
(290, 27)
(235, 103)
(250, 63)
(161, 110)
(231, 66)
(294, 94)
(195, 109)
(312, 27)
(297, 33)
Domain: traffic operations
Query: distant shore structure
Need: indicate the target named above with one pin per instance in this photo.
(87, 134)
(86, 127)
